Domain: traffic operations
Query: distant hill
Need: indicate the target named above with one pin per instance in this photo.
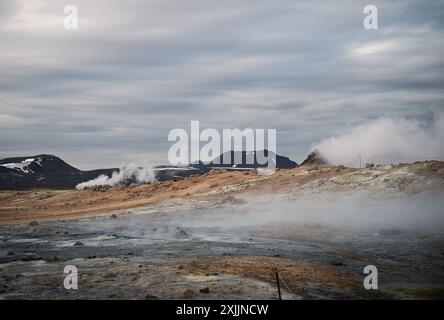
(49, 171)
(43, 171)
(177, 172)
(249, 160)
(42, 163)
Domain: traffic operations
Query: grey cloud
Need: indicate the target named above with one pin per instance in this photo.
(111, 91)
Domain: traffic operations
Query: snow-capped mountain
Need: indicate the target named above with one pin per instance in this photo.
(43, 171)
(48, 171)
(36, 164)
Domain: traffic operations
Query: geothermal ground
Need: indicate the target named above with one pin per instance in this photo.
(223, 234)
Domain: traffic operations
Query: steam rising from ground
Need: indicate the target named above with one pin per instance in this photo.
(133, 172)
(344, 211)
(386, 140)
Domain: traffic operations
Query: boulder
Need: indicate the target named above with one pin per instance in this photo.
(314, 158)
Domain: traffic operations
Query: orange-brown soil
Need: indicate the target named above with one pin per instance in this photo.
(30, 205)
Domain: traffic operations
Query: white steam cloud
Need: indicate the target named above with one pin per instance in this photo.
(386, 140)
(133, 172)
(346, 211)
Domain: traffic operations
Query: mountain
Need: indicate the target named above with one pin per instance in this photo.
(164, 172)
(42, 163)
(48, 171)
(177, 172)
(248, 160)
(43, 171)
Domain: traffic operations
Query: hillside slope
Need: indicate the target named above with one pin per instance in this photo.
(220, 186)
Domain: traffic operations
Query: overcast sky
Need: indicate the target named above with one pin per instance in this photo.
(111, 91)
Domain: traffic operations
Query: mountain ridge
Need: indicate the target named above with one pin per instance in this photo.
(49, 171)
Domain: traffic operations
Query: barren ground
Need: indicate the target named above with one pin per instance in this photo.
(177, 239)
(26, 206)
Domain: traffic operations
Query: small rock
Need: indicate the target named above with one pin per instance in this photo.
(150, 297)
(33, 223)
(188, 293)
(113, 216)
(205, 290)
(337, 263)
(181, 233)
(109, 275)
(27, 258)
(55, 259)
(78, 243)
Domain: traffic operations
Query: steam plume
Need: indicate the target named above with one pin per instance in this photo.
(132, 172)
(386, 140)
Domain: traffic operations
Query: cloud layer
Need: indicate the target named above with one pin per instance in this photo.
(111, 91)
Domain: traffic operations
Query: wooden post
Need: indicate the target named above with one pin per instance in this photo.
(278, 284)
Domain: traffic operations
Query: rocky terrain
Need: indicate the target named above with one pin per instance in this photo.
(223, 234)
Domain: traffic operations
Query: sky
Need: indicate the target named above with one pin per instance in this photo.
(111, 91)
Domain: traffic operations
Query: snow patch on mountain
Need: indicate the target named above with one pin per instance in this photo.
(21, 166)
